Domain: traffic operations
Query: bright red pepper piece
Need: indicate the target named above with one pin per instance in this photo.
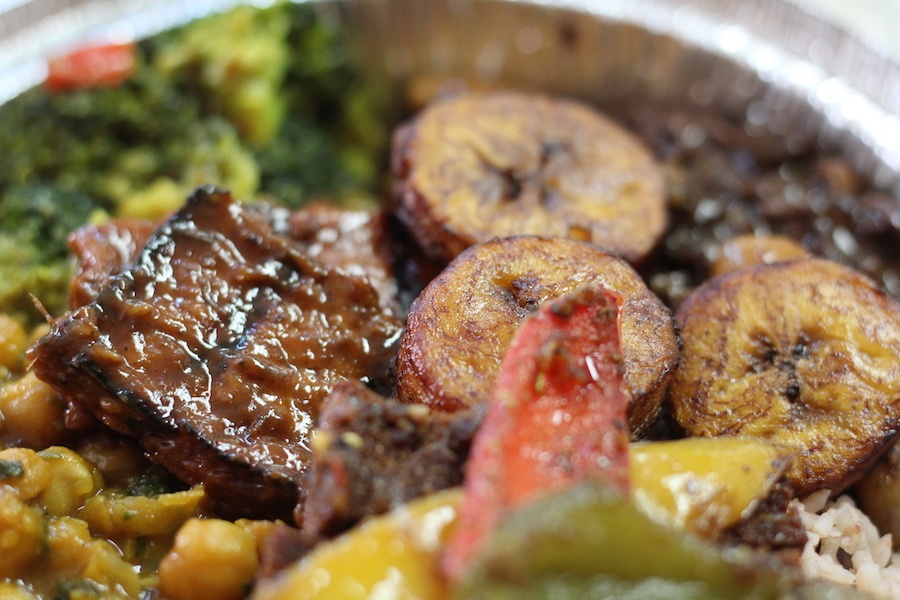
(557, 417)
(104, 65)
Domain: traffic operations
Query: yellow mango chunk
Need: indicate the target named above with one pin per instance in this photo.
(392, 556)
(703, 485)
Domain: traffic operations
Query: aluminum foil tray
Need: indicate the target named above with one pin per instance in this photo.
(769, 60)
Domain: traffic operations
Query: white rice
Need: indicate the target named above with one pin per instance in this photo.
(834, 525)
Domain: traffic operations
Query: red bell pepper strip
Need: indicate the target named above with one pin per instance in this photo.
(104, 65)
(556, 417)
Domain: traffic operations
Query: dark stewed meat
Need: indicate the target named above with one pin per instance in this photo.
(103, 251)
(216, 347)
(374, 453)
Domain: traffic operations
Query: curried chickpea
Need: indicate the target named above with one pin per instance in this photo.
(33, 413)
(72, 553)
(73, 480)
(123, 517)
(35, 474)
(108, 568)
(210, 558)
(14, 591)
(118, 458)
(21, 535)
(13, 341)
(68, 546)
(259, 529)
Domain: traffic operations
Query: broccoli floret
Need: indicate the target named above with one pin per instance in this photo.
(85, 140)
(282, 56)
(114, 143)
(35, 220)
(302, 162)
(235, 62)
(212, 152)
(45, 215)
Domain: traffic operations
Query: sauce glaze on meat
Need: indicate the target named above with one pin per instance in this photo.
(216, 348)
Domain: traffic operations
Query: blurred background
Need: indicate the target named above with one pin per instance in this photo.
(878, 21)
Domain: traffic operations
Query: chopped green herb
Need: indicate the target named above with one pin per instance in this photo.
(10, 469)
(154, 481)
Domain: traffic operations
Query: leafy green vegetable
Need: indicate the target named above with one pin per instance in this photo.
(259, 101)
(287, 85)
(334, 134)
(235, 63)
(92, 141)
(36, 220)
(301, 162)
(211, 152)
(206, 102)
(44, 215)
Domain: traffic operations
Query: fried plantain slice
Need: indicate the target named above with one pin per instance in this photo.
(480, 166)
(805, 354)
(461, 325)
(751, 249)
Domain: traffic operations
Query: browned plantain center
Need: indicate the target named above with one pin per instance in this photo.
(530, 187)
(766, 356)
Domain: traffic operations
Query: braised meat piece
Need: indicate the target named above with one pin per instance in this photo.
(355, 242)
(773, 525)
(372, 453)
(102, 251)
(280, 548)
(216, 348)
